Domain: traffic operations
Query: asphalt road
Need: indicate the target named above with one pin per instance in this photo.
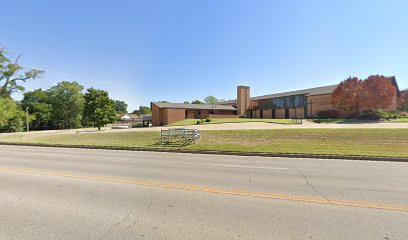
(57, 193)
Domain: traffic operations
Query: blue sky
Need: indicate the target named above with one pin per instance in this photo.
(142, 51)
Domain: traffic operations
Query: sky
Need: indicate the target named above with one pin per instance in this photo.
(181, 50)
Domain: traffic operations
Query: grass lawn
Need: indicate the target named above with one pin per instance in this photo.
(369, 142)
(400, 120)
(232, 120)
(340, 120)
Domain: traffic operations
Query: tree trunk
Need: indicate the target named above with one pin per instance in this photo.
(99, 128)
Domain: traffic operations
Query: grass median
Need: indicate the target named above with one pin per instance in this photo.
(356, 142)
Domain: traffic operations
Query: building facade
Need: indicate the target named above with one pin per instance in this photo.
(301, 103)
(168, 113)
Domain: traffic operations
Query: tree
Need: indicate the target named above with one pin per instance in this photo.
(186, 102)
(197, 102)
(67, 102)
(99, 108)
(11, 116)
(12, 74)
(39, 107)
(403, 100)
(377, 93)
(142, 110)
(211, 100)
(120, 106)
(346, 95)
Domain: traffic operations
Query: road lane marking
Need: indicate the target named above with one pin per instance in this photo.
(287, 197)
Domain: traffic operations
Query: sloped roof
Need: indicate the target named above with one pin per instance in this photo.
(394, 82)
(194, 106)
(308, 92)
(228, 102)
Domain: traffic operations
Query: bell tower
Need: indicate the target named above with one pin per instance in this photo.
(243, 100)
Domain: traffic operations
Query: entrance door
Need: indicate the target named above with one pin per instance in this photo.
(261, 113)
(273, 113)
(286, 113)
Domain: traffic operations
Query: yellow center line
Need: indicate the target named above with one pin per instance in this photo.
(288, 197)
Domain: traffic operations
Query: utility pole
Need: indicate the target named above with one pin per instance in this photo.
(27, 121)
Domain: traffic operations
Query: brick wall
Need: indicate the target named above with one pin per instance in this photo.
(280, 113)
(267, 113)
(298, 112)
(155, 115)
(173, 115)
(318, 103)
(191, 113)
(243, 100)
(222, 116)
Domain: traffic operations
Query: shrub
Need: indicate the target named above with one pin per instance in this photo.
(207, 120)
(329, 113)
(201, 121)
(376, 115)
(403, 114)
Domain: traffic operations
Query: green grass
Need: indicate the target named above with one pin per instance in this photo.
(340, 120)
(232, 120)
(400, 120)
(368, 142)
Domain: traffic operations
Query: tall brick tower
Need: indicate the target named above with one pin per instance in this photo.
(243, 100)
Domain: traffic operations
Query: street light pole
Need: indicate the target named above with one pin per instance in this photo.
(27, 121)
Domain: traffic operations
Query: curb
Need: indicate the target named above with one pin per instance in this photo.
(254, 154)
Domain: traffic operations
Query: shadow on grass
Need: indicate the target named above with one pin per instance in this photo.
(358, 122)
(344, 121)
(173, 143)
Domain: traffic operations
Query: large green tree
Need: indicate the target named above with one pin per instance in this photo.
(142, 110)
(67, 102)
(121, 106)
(99, 108)
(211, 100)
(197, 102)
(11, 116)
(39, 108)
(12, 74)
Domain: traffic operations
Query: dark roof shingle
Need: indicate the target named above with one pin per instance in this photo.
(194, 106)
(307, 92)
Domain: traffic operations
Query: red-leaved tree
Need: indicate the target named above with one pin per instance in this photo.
(346, 96)
(403, 100)
(377, 93)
